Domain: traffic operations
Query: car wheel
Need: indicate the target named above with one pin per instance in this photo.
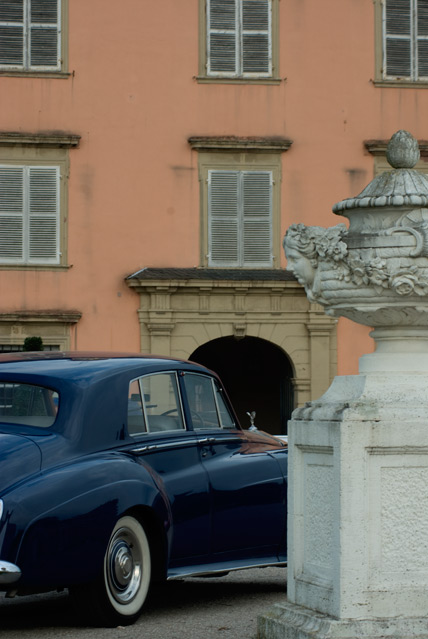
(118, 597)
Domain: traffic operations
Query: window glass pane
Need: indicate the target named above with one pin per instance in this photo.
(200, 395)
(162, 402)
(136, 423)
(27, 404)
(227, 420)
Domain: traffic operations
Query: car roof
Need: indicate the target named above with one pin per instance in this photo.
(86, 364)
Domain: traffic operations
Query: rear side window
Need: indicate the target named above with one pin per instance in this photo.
(154, 404)
(28, 404)
(208, 408)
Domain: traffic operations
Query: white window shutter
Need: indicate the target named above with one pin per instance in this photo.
(257, 218)
(223, 232)
(256, 37)
(240, 218)
(43, 215)
(44, 34)
(398, 38)
(12, 32)
(11, 214)
(222, 37)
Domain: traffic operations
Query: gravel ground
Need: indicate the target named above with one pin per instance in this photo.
(222, 608)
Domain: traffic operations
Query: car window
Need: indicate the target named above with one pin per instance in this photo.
(227, 421)
(136, 421)
(161, 402)
(28, 404)
(207, 407)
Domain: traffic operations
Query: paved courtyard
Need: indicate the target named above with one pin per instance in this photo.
(223, 608)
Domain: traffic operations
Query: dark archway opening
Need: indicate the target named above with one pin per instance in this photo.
(257, 376)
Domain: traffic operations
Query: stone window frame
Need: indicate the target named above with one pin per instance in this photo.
(203, 76)
(61, 73)
(240, 154)
(23, 149)
(54, 327)
(380, 79)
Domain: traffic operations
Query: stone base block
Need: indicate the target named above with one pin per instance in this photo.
(289, 621)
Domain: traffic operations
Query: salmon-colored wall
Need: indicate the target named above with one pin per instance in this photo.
(133, 97)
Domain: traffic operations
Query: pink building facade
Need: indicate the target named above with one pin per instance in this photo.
(152, 158)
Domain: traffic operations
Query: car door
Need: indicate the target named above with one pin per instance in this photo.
(247, 485)
(162, 442)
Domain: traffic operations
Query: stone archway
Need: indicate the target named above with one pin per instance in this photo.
(257, 376)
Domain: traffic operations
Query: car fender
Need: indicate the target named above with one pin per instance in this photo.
(70, 513)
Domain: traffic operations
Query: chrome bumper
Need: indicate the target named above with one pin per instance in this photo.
(9, 573)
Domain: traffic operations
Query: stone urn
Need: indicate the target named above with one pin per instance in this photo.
(376, 271)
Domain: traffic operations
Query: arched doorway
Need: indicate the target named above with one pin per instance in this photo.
(257, 376)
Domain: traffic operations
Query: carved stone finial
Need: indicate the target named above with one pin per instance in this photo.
(402, 151)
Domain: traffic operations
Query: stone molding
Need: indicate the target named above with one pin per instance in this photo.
(234, 143)
(53, 139)
(65, 317)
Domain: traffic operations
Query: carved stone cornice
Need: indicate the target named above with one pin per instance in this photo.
(51, 139)
(46, 316)
(233, 143)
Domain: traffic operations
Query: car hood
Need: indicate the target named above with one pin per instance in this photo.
(19, 457)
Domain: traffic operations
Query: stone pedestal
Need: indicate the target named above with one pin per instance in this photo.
(358, 502)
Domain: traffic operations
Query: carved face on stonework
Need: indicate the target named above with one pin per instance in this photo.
(301, 266)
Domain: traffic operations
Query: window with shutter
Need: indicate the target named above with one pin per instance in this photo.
(29, 215)
(405, 40)
(240, 218)
(30, 35)
(239, 38)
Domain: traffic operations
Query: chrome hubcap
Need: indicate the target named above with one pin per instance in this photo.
(124, 565)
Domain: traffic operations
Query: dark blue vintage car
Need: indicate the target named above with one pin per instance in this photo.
(117, 470)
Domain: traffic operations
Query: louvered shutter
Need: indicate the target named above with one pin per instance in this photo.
(222, 36)
(398, 42)
(256, 37)
(223, 218)
(43, 214)
(29, 215)
(12, 32)
(422, 42)
(44, 34)
(257, 218)
(11, 214)
(240, 218)
(30, 36)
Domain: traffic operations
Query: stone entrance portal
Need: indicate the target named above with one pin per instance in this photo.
(257, 375)
(183, 309)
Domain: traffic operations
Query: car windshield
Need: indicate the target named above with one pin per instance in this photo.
(28, 404)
